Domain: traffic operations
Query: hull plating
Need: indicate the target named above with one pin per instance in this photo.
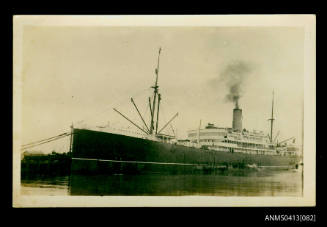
(94, 151)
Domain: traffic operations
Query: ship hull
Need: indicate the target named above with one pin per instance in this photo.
(102, 152)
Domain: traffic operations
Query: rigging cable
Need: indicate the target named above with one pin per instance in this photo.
(45, 139)
(48, 140)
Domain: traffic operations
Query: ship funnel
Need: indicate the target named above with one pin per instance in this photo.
(237, 119)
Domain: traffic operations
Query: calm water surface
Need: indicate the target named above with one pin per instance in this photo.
(263, 182)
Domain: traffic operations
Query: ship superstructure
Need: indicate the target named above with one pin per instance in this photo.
(238, 139)
(225, 139)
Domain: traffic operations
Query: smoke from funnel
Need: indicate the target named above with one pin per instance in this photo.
(234, 75)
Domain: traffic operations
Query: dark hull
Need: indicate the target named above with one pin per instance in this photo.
(102, 152)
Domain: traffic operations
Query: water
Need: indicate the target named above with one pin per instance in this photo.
(45, 186)
(263, 182)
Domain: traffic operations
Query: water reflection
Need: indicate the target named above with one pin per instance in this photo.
(239, 183)
(45, 185)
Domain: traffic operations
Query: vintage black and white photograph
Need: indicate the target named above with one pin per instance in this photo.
(176, 110)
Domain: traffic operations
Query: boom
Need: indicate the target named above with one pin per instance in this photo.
(139, 114)
(168, 122)
(130, 121)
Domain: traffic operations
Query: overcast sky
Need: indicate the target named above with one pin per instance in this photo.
(78, 74)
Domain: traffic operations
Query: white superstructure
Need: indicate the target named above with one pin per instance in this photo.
(229, 140)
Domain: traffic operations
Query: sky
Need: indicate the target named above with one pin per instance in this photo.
(78, 74)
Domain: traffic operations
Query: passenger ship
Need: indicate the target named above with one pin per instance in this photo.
(108, 151)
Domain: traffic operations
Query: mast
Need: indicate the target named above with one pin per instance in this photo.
(272, 119)
(155, 87)
(152, 108)
(71, 138)
(159, 98)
